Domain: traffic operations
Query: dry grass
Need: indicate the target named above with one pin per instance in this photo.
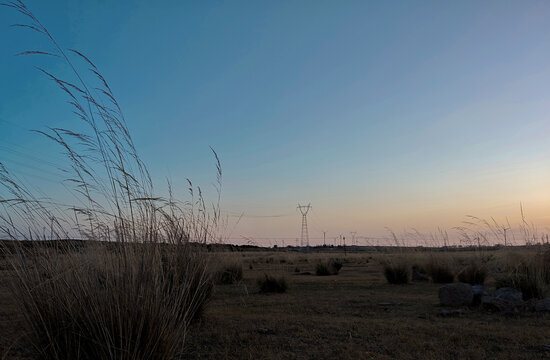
(397, 273)
(229, 273)
(272, 284)
(328, 267)
(474, 274)
(136, 287)
(441, 270)
(341, 316)
(528, 273)
(126, 302)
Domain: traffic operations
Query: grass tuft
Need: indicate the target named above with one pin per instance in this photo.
(530, 275)
(474, 274)
(142, 279)
(440, 271)
(272, 284)
(396, 273)
(328, 267)
(229, 273)
(134, 301)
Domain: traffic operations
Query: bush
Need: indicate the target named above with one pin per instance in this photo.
(419, 273)
(530, 278)
(133, 292)
(229, 274)
(271, 284)
(396, 273)
(440, 272)
(474, 274)
(330, 267)
(103, 303)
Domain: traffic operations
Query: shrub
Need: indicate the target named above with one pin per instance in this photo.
(272, 284)
(474, 274)
(330, 267)
(322, 269)
(396, 273)
(133, 292)
(528, 277)
(229, 274)
(440, 271)
(419, 273)
(105, 303)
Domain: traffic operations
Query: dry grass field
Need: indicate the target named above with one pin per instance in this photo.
(348, 316)
(355, 314)
(146, 283)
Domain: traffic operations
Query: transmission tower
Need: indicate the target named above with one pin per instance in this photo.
(304, 209)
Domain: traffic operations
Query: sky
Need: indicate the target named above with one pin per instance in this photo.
(382, 114)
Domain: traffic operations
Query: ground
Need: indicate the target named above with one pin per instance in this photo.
(352, 315)
(347, 316)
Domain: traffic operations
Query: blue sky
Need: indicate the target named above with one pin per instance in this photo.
(381, 114)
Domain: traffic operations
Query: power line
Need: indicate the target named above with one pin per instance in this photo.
(244, 215)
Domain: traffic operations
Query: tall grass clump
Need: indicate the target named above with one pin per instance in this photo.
(396, 272)
(440, 269)
(530, 275)
(474, 274)
(142, 278)
(135, 302)
(328, 267)
(272, 284)
(229, 273)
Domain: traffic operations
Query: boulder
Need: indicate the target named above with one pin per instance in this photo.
(479, 291)
(504, 300)
(456, 294)
(542, 305)
(492, 303)
(509, 294)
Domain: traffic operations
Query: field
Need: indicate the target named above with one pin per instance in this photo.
(355, 314)
(145, 280)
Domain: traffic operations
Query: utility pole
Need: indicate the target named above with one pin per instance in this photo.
(304, 209)
(324, 238)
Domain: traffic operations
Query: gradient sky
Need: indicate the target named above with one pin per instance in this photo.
(400, 114)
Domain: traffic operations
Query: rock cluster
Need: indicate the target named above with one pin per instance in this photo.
(504, 300)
